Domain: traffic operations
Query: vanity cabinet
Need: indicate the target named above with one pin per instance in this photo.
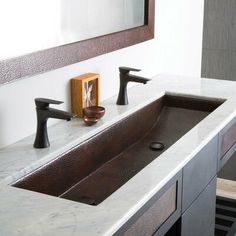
(199, 218)
(199, 172)
(188, 199)
(158, 215)
(199, 192)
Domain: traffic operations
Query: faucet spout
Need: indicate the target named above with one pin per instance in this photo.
(126, 77)
(58, 114)
(43, 113)
(137, 79)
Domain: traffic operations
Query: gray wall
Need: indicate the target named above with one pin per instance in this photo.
(219, 52)
(219, 40)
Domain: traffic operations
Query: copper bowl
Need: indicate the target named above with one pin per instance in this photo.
(90, 120)
(94, 112)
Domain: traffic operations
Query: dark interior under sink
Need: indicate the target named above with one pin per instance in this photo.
(94, 169)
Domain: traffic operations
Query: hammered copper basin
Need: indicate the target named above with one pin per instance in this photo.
(94, 169)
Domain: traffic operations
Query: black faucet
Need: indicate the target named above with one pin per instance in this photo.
(126, 77)
(43, 113)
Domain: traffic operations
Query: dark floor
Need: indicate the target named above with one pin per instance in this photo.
(225, 217)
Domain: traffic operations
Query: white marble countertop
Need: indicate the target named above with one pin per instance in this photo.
(24, 212)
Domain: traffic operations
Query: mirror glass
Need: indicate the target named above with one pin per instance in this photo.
(32, 25)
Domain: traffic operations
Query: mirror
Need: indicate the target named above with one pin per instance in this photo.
(45, 35)
(58, 22)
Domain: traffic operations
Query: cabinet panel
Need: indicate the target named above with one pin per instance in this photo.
(164, 207)
(228, 139)
(227, 143)
(199, 219)
(151, 219)
(228, 169)
(198, 173)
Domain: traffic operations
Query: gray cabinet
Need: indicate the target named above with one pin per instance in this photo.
(199, 172)
(187, 201)
(199, 218)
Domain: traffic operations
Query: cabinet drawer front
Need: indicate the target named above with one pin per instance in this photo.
(155, 212)
(199, 219)
(228, 139)
(152, 219)
(198, 172)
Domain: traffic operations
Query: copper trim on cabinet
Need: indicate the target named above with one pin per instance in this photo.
(228, 140)
(156, 215)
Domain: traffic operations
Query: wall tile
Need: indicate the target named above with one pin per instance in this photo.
(216, 64)
(216, 24)
(233, 65)
(232, 26)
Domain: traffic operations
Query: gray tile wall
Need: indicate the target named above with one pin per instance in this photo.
(219, 40)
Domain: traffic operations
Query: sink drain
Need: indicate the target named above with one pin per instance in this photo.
(156, 146)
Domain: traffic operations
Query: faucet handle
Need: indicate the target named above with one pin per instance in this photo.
(44, 102)
(126, 70)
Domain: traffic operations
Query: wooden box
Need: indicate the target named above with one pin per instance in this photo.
(84, 92)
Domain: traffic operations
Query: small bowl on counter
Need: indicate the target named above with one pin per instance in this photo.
(93, 114)
(90, 121)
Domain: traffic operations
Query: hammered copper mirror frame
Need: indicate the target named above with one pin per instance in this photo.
(38, 62)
